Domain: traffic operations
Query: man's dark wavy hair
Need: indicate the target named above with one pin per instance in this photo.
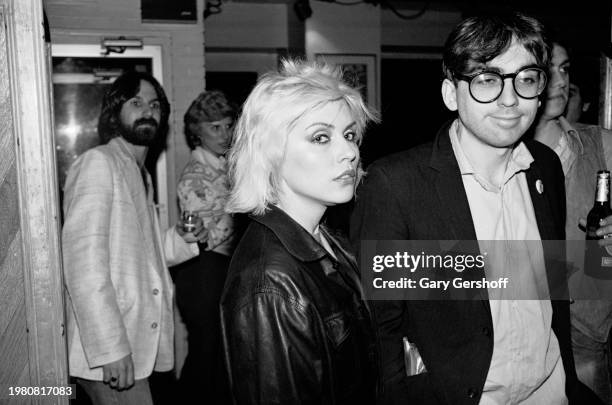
(124, 88)
(479, 39)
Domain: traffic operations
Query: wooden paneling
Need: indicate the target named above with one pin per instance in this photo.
(32, 342)
(14, 368)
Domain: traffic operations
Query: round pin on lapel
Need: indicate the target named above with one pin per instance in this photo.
(539, 186)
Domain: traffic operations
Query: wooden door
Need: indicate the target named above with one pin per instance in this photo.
(32, 342)
(13, 343)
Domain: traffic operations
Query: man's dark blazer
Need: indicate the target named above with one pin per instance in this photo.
(418, 194)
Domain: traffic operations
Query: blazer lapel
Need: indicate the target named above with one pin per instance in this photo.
(447, 181)
(142, 199)
(451, 194)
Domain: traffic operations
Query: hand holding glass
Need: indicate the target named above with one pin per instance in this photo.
(189, 219)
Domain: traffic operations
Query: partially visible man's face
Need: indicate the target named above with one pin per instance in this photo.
(502, 122)
(557, 90)
(140, 116)
(575, 104)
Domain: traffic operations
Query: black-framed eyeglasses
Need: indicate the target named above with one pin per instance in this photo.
(486, 86)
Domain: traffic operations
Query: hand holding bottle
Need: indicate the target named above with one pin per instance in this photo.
(604, 231)
(598, 256)
(598, 223)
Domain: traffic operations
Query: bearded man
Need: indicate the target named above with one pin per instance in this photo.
(118, 290)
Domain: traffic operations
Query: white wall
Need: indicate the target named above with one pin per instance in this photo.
(335, 28)
(347, 30)
(260, 62)
(430, 29)
(248, 25)
(245, 36)
(361, 28)
(85, 21)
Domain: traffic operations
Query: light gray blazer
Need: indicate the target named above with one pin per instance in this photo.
(119, 291)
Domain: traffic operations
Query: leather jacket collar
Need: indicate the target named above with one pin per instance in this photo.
(292, 235)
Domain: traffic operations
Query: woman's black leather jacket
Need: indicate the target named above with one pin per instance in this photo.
(295, 327)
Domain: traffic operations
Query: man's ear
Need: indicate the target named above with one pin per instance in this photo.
(449, 94)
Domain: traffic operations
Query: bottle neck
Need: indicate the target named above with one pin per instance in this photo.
(602, 195)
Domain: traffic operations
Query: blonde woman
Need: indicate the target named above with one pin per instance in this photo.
(295, 327)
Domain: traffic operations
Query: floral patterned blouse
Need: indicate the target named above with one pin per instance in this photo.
(204, 189)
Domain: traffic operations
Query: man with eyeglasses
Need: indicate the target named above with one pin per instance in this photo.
(478, 181)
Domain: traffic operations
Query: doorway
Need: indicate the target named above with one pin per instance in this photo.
(81, 76)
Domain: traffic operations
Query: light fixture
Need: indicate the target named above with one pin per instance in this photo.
(119, 44)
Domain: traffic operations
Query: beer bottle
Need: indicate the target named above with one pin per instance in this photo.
(598, 261)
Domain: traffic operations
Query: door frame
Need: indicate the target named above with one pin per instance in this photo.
(31, 107)
(148, 51)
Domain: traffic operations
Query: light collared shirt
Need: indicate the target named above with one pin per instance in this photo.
(581, 149)
(204, 189)
(569, 146)
(526, 364)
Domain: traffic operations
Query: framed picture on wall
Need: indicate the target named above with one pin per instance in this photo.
(359, 70)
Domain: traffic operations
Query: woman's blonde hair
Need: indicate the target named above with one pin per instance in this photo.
(269, 113)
